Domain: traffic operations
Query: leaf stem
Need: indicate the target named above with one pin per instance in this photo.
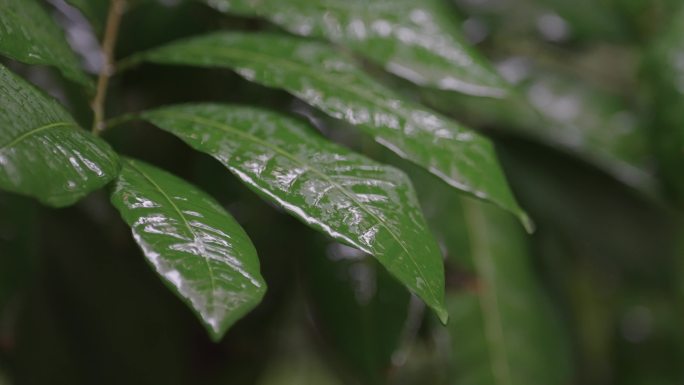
(116, 11)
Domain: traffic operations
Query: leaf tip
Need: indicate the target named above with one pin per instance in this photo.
(527, 222)
(443, 315)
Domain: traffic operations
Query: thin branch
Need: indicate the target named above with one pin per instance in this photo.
(116, 10)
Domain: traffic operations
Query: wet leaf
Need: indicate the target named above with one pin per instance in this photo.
(317, 74)
(570, 114)
(199, 250)
(351, 198)
(417, 40)
(43, 152)
(29, 35)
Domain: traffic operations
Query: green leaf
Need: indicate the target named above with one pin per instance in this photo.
(317, 74)
(570, 114)
(502, 328)
(417, 40)
(376, 310)
(43, 152)
(29, 35)
(199, 250)
(351, 198)
(503, 322)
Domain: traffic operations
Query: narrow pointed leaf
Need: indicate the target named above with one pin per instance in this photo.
(43, 152)
(200, 251)
(29, 35)
(351, 198)
(317, 74)
(416, 40)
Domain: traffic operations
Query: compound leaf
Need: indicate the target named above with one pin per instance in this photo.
(353, 199)
(327, 80)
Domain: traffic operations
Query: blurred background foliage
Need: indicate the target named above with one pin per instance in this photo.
(592, 141)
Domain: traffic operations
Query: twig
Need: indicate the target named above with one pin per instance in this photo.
(116, 10)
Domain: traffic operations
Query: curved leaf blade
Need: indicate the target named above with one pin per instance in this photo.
(413, 39)
(43, 152)
(351, 198)
(192, 243)
(29, 35)
(317, 74)
(572, 115)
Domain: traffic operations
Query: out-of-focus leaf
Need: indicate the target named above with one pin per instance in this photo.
(192, 243)
(588, 19)
(360, 310)
(325, 79)
(29, 35)
(94, 10)
(504, 321)
(566, 113)
(665, 69)
(43, 152)
(502, 329)
(417, 40)
(351, 198)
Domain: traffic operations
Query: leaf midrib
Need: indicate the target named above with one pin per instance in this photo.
(225, 127)
(180, 214)
(34, 131)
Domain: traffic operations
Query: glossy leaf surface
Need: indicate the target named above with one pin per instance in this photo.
(351, 198)
(43, 152)
(319, 75)
(568, 113)
(416, 40)
(192, 243)
(29, 35)
(502, 328)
